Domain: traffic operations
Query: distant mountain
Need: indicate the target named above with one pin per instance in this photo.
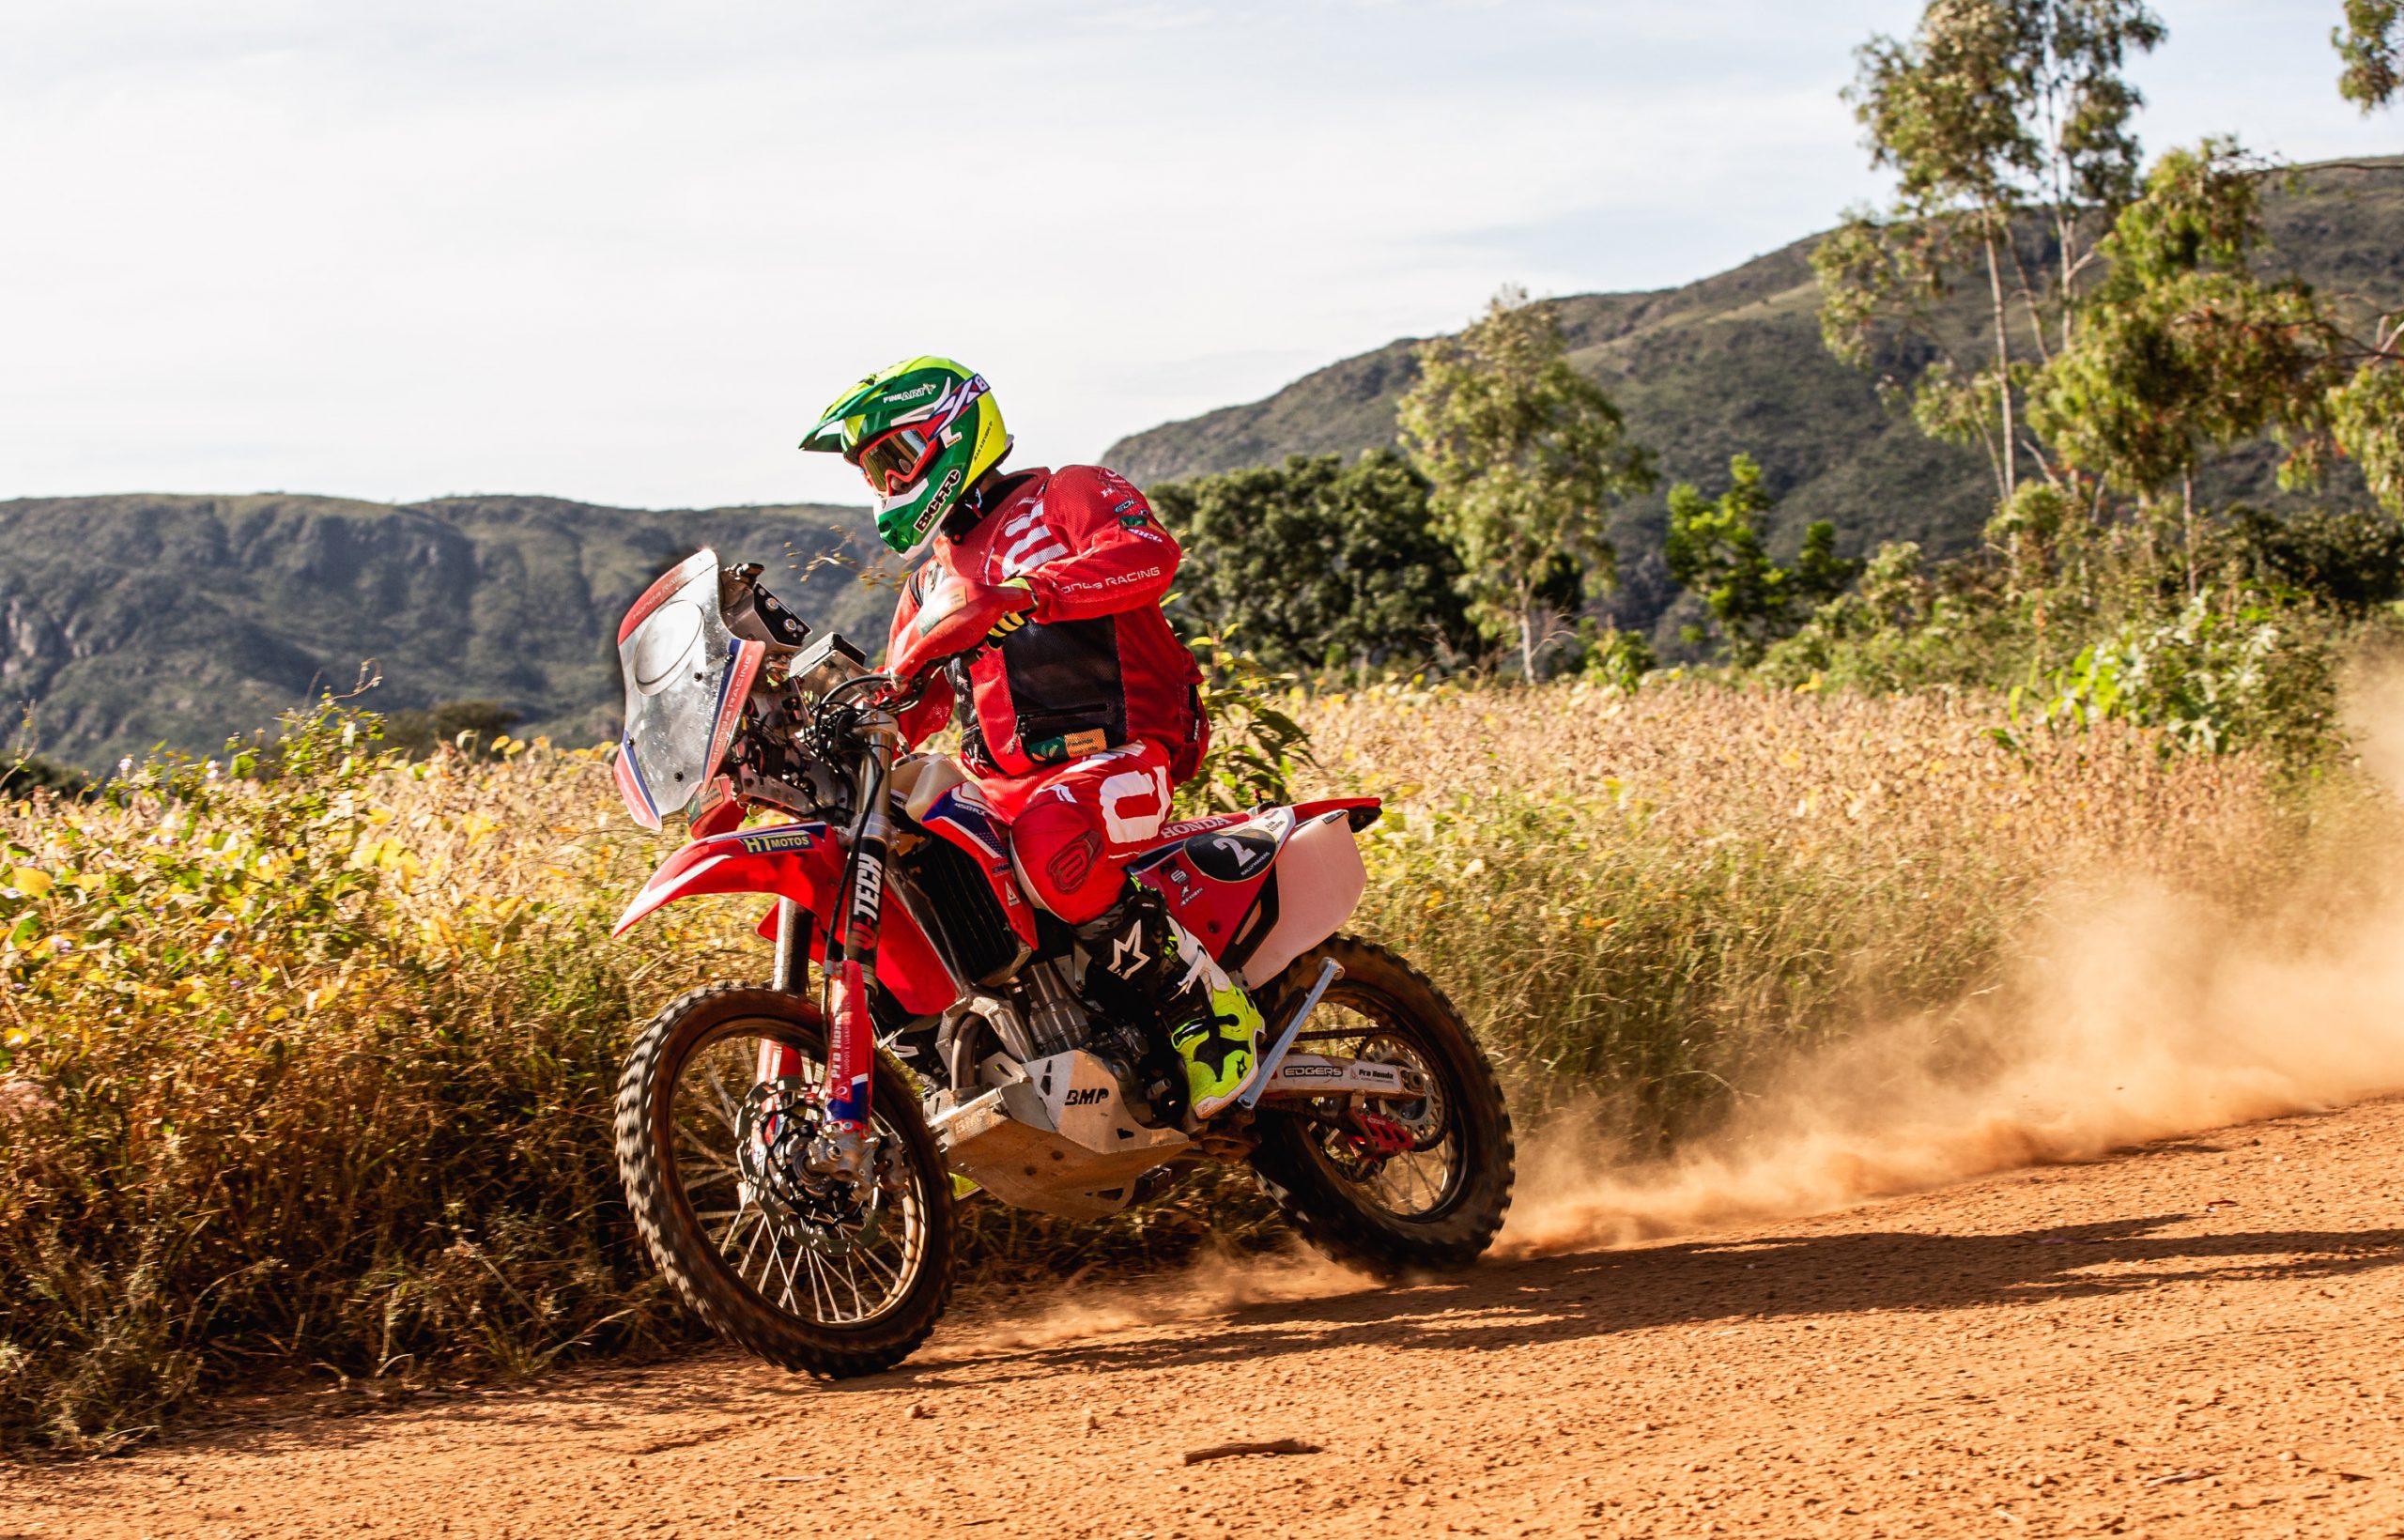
(1734, 363)
(142, 619)
(135, 620)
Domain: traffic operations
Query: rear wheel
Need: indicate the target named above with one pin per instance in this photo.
(1388, 1187)
(717, 1102)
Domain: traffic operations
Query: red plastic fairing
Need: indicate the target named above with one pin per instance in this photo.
(1305, 812)
(799, 861)
(1175, 833)
(1212, 877)
(961, 817)
(630, 787)
(803, 862)
(1217, 874)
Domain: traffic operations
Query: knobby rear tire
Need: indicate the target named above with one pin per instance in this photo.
(698, 1270)
(1334, 1215)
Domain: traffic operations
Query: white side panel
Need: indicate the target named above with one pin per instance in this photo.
(1319, 883)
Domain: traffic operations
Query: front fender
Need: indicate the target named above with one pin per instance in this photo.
(803, 862)
(799, 861)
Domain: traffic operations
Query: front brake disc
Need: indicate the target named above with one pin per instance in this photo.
(822, 1213)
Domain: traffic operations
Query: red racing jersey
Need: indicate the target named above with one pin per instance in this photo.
(1097, 667)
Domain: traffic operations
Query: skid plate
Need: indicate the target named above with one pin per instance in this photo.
(1055, 1138)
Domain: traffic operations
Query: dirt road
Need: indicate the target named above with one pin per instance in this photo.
(2200, 1338)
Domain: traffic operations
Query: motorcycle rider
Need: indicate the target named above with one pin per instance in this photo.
(1080, 713)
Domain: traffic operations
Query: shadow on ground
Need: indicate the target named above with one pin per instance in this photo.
(1550, 1300)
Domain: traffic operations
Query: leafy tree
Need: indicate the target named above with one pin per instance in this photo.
(2371, 44)
(1716, 550)
(2351, 561)
(2185, 347)
(2367, 413)
(1526, 456)
(1618, 658)
(1315, 561)
(472, 725)
(2188, 349)
(1992, 114)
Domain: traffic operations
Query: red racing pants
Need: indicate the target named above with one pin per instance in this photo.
(1073, 826)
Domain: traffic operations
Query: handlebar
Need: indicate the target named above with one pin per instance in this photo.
(835, 695)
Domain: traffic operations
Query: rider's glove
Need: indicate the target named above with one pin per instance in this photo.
(1017, 617)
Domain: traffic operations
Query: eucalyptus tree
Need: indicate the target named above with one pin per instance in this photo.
(2371, 46)
(2007, 125)
(2189, 347)
(1527, 459)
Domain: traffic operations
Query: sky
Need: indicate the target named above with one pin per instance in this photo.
(624, 252)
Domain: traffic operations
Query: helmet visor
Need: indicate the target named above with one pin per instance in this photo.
(894, 459)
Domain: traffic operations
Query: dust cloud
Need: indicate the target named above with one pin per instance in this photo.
(2137, 1013)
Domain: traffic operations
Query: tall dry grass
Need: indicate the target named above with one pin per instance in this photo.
(1655, 895)
(309, 1067)
(310, 1071)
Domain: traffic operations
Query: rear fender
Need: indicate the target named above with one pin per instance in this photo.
(1259, 890)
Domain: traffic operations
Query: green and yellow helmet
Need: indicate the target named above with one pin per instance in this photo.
(921, 432)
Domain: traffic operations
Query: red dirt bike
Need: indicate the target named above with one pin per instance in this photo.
(794, 1166)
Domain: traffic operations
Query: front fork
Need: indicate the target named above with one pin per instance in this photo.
(787, 975)
(843, 1146)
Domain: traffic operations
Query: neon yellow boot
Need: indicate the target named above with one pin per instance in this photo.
(1146, 966)
(1214, 1026)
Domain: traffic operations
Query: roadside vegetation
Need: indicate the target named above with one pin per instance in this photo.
(305, 1056)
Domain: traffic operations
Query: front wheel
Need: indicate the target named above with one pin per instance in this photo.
(717, 1102)
(1388, 1187)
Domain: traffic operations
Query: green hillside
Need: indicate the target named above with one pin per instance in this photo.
(1734, 363)
(134, 619)
(141, 619)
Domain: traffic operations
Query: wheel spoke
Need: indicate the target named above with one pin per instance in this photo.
(1411, 1182)
(891, 1277)
(821, 1292)
(750, 1247)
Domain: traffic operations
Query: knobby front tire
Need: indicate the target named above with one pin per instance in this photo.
(742, 1263)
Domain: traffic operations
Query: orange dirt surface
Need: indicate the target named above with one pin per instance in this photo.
(2197, 1338)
